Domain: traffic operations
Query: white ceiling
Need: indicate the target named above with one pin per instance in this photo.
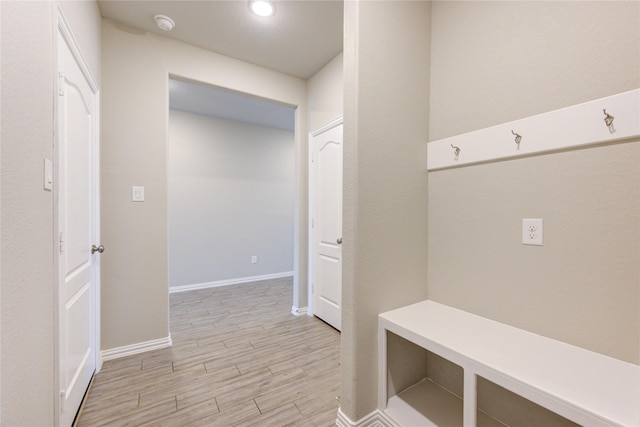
(298, 40)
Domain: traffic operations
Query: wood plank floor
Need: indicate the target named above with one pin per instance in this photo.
(239, 358)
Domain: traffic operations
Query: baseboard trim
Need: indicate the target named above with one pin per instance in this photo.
(299, 311)
(376, 418)
(218, 283)
(128, 350)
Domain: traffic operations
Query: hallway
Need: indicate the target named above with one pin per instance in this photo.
(239, 358)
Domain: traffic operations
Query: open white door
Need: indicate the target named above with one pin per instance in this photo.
(78, 230)
(326, 221)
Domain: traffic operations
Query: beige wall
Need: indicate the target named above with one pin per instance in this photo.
(27, 272)
(136, 68)
(325, 91)
(386, 112)
(494, 62)
(83, 17)
(27, 214)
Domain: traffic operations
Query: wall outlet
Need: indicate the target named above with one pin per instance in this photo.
(137, 193)
(254, 259)
(532, 232)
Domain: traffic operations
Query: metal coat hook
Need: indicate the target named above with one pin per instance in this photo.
(518, 138)
(456, 151)
(608, 120)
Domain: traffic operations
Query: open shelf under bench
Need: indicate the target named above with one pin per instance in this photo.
(583, 386)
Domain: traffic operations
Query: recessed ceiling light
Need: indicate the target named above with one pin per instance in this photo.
(262, 7)
(164, 22)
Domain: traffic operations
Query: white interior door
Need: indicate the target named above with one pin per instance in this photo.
(326, 188)
(78, 228)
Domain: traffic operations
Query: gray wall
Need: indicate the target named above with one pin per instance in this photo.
(230, 196)
(27, 270)
(135, 111)
(493, 62)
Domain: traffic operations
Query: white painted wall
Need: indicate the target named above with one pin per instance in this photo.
(135, 112)
(231, 196)
(27, 72)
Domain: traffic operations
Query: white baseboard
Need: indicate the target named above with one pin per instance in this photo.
(299, 311)
(376, 418)
(128, 350)
(205, 285)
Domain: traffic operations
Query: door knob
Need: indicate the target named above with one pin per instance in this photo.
(339, 241)
(99, 249)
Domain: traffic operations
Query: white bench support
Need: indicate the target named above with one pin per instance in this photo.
(470, 399)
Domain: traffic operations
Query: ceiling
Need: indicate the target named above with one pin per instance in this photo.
(225, 104)
(299, 39)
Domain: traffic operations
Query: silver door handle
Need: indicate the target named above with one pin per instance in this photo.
(339, 241)
(99, 249)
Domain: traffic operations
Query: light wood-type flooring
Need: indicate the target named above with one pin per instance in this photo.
(239, 358)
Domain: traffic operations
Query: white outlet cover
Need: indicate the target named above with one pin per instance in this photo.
(137, 194)
(532, 231)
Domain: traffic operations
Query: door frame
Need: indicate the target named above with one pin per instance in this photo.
(62, 28)
(298, 233)
(310, 191)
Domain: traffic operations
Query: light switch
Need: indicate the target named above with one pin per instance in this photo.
(137, 194)
(48, 175)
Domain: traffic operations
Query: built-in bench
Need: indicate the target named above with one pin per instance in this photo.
(585, 387)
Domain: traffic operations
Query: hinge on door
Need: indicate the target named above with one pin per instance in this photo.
(60, 84)
(63, 395)
(61, 241)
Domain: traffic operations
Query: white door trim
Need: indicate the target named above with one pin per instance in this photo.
(327, 126)
(63, 29)
(330, 125)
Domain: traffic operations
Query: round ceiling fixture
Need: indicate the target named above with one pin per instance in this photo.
(164, 22)
(262, 7)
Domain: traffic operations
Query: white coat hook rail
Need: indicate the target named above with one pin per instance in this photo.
(608, 120)
(517, 138)
(570, 127)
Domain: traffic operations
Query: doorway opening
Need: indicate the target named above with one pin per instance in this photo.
(231, 187)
